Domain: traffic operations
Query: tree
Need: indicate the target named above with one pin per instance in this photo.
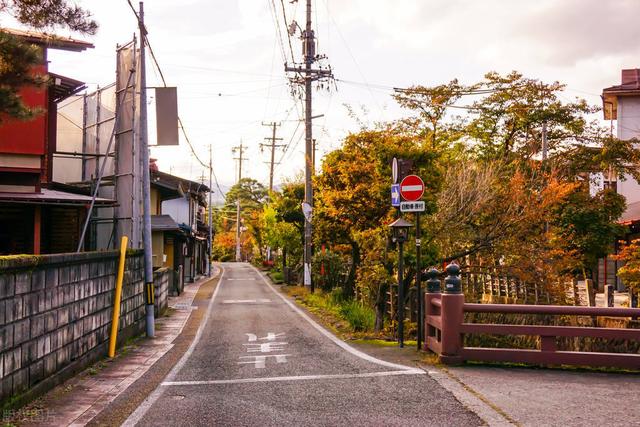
(287, 223)
(17, 58)
(630, 271)
(588, 225)
(509, 120)
(432, 105)
(353, 190)
(252, 196)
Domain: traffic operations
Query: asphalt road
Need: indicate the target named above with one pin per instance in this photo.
(260, 361)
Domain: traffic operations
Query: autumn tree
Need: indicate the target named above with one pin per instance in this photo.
(353, 189)
(251, 195)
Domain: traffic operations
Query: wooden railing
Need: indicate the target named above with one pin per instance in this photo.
(445, 328)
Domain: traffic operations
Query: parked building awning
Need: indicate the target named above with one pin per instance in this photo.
(53, 197)
(163, 223)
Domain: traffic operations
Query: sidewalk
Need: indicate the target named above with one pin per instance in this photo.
(77, 401)
(530, 396)
(550, 397)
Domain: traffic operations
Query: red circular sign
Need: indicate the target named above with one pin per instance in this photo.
(412, 188)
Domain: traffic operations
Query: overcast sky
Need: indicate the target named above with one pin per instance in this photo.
(225, 57)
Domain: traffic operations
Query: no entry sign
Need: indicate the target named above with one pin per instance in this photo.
(412, 188)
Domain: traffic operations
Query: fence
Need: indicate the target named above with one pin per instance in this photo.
(445, 328)
(55, 315)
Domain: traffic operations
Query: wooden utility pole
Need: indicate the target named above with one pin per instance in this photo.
(305, 74)
(239, 149)
(273, 147)
(209, 208)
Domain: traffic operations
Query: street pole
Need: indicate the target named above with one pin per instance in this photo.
(309, 53)
(419, 280)
(273, 147)
(210, 209)
(400, 293)
(146, 186)
(240, 149)
(306, 74)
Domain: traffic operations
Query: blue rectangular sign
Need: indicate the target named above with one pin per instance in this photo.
(395, 195)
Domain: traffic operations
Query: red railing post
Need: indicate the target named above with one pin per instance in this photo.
(431, 333)
(452, 316)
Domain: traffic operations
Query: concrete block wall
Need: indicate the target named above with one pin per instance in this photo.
(161, 280)
(55, 316)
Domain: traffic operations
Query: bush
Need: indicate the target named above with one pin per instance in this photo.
(360, 317)
(328, 270)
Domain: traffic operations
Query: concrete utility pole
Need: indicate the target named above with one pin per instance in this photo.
(146, 185)
(209, 209)
(239, 149)
(273, 147)
(309, 74)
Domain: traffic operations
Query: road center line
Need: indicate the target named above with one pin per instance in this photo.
(297, 378)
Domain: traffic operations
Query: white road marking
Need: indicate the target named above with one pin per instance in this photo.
(259, 361)
(266, 347)
(139, 413)
(271, 336)
(246, 301)
(332, 337)
(298, 378)
(249, 279)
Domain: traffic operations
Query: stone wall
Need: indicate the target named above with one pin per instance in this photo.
(55, 316)
(162, 279)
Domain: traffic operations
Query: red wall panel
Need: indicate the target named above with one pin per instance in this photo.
(26, 137)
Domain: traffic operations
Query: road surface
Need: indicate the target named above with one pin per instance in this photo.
(258, 360)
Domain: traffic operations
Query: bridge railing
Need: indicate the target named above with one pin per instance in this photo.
(445, 329)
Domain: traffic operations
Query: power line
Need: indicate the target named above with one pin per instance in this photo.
(164, 82)
(286, 25)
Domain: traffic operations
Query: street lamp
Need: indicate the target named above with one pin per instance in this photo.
(400, 234)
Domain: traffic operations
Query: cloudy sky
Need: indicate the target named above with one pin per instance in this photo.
(226, 58)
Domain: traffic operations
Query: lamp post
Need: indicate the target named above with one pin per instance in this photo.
(400, 234)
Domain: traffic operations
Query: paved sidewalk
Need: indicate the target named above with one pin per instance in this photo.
(77, 401)
(550, 397)
(530, 396)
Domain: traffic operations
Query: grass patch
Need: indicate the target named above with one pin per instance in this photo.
(361, 318)
(277, 277)
(346, 317)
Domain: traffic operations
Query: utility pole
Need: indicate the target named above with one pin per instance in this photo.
(146, 185)
(240, 150)
(273, 147)
(306, 74)
(209, 209)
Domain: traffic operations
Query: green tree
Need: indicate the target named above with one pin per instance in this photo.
(18, 58)
(589, 225)
(509, 120)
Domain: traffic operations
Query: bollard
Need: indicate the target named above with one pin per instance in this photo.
(608, 295)
(452, 316)
(432, 292)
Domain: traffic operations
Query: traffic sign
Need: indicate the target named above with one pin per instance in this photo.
(411, 188)
(412, 207)
(394, 170)
(395, 195)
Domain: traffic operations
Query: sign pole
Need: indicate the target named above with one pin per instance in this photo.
(418, 281)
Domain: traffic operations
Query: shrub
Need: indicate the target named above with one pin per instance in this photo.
(360, 317)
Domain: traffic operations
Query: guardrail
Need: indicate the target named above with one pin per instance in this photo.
(445, 328)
